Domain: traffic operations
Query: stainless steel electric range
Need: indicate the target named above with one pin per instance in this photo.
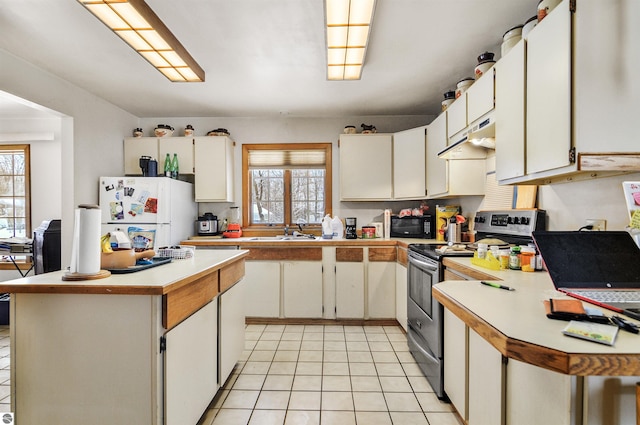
(425, 328)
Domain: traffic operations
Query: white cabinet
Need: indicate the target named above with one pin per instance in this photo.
(191, 379)
(549, 92)
(401, 295)
(302, 289)
(182, 146)
(446, 178)
(213, 161)
(231, 329)
(350, 290)
(480, 96)
(457, 115)
(437, 169)
(409, 148)
(262, 279)
(455, 362)
(486, 382)
(134, 148)
(381, 289)
(510, 113)
(365, 167)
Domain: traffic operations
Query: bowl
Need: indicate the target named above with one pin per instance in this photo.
(350, 129)
(528, 26)
(463, 85)
(483, 67)
(163, 130)
(513, 32)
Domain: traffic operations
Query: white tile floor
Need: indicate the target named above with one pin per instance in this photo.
(318, 375)
(343, 375)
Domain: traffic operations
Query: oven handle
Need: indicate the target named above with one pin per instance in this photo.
(424, 264)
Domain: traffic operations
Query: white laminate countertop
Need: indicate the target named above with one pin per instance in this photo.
(157, 280)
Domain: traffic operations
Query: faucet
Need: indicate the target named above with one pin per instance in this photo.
(286, 230)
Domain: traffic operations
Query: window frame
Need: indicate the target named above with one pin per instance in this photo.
(246, 183)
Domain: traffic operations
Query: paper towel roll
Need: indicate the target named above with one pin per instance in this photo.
(387, 224)
(86, 240)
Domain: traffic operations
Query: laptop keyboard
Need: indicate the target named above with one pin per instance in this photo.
(611, 296)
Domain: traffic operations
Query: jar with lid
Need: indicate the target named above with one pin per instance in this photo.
(514, 258)
(527, 259)
(482, 250)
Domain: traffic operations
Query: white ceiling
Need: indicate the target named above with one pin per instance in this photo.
(266, 57)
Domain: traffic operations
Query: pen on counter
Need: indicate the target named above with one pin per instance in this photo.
(497, 285)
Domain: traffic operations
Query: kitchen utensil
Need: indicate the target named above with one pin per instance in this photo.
(123, 258)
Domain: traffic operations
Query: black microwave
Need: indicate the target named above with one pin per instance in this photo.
(412, 227)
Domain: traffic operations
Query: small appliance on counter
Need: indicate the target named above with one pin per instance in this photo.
(233, 231)
(207, 225)
(149, 166)
(412, 227)
(350, 227)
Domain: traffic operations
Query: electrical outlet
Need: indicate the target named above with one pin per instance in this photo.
(599, 224)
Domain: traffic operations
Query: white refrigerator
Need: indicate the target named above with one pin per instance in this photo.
(158, 207)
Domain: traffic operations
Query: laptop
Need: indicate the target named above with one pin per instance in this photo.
(601, 268)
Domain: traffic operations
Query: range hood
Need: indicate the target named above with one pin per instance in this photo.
(474, 141)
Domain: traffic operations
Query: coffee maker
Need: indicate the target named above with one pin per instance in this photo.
(149, 166)
(350, 228)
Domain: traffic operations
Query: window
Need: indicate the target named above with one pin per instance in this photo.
(15, 217)
(286, 184)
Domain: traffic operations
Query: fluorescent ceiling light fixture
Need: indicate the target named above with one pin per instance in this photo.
(140, 28)
(348, 25)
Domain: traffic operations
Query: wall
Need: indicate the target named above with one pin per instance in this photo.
(91, 134)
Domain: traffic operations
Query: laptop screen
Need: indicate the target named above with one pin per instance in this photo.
(595, 260)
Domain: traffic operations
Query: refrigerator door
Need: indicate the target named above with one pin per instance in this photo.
(134, 200)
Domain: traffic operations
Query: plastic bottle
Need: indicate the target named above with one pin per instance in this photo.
(175, 169)
(514, 258)
(167, 166)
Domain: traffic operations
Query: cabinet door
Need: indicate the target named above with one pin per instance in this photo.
(437, 168)
(350, 290)
(213, 160)
(401, 295)
(183, 146)
(486, 382)
(231, 329)
(510, 113)
(455, 362)
(549, 92)
(365, 167)
(466, 177)
(409, 164)
(457, 113)
(302, 287)
(134, 148)
(480, 96)
(381, 290)
(262, 279)
(190, 366)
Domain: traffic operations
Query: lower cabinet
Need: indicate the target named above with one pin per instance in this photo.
(191, 366)
(302, 289)
(349, 290)
(381, 290)
(401, 295)
(456, 335)
(486, 382)
(231, 329)
(262, 279)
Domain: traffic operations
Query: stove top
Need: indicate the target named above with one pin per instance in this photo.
(514, 227)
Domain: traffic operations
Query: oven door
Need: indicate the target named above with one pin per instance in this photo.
(424, 313)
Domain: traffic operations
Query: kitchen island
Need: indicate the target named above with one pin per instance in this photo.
(516, 366)
(150, 347)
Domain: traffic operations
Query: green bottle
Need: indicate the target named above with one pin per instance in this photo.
(167, 166)
(175, 169)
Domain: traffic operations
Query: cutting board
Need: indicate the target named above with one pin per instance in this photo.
(526, 196)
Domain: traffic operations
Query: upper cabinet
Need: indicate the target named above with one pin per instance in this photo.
(213, 161)
(182, 146)
(580, 102)
(366, 167)
(409, 149)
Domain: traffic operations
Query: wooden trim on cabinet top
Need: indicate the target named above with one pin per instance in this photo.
(382, 253)
(355, 255)
(230, 275)
(285, 253)
(582, 364)
(179, 304)
(467, 271)
(403, 254)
